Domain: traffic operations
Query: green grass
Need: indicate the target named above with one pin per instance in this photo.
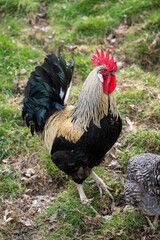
(14, 139)
(140, 37)
(15, 26)
(143, 141)
(122, 225)
(71, 216)
(10, 183)
(75, 220)
(15, 56)
(94, 18)
(138, 98)
(83, 25)
(18, 6)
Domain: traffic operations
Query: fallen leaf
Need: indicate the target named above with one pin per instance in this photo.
(113, 40)
(121, 30)
(53, 218)
(108, 217)
(71, 48)
(125, 87)
(29, 172)
(99, 5)
(6, 58)
(7, 171)
(83, 48)
(6, 217)
(28, 222)
(132, 106)
(117, 209)
(120, 233)
(61, 41)
(23, 71)
(141, 40)
(35, 203)
(154, 43)
(30, 60)
(52, 36)
(114, 164)
(110, 36)
(43, 29)
(6, 160)
(88, 220)
(113, 205)
(51, 227)
(142, 88)
(131, 126)
(128, 121)
(120, 65)
(27, 190)
(24, 179)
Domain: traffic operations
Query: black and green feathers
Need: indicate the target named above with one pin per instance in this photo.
(47, 90)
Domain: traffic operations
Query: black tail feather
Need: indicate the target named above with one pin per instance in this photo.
(46, 90)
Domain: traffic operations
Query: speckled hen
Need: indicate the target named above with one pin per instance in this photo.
(142, 190)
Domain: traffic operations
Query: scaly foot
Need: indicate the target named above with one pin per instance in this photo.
(85, 200)
(82, 195)
(101, 185)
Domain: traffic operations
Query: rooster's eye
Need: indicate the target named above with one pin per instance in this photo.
(100, 77)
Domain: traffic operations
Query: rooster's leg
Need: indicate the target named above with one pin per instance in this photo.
(84, 199)
(101, 185)
(82, 195)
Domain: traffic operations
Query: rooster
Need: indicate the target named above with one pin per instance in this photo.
(79, 136)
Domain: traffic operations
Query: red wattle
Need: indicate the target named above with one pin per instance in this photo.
(106, 84)
(109, 84)
(112, 84)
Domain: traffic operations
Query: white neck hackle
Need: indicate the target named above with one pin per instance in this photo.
(93, 102)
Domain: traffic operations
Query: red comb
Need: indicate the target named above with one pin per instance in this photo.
(101, 59)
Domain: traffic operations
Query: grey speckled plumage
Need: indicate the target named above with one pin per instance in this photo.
(142, 190)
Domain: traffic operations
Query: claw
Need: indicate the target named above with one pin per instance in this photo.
(101, 185)
(86, 201)
(82, 195)
(100, 190)
(89, 182)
